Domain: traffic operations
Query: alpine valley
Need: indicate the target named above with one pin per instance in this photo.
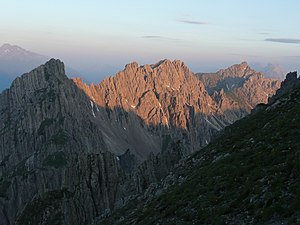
(153, 144)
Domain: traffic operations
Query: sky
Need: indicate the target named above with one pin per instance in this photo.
(97, 38)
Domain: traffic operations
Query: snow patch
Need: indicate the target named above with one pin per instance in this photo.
(210, 123)
(118, 158)
(92, 105)
(124, 128)
(93, 114)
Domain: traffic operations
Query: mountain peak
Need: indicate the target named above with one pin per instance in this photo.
(244, 63)
(167, 62)
(52, 68)
(241, 66)
(132, 66)
(8, 52)
(161, 62)
(237, 70)
(8, 47)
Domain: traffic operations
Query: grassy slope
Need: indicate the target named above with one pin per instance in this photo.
(249, 175)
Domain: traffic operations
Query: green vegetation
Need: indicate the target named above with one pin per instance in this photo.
(7, 125)
(44, 94)
(4, 185)
(50, 203)
(60, 138)
(4, 160)
(249, 175)
(51, 95)
(57, 160)
(46, 123)
(47, 74)
(21, 169)
(166, 141)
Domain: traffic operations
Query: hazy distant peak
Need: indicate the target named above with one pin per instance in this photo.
(8, 47)
(271, 70)
(9, 51)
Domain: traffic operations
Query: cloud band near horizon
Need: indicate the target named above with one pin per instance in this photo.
(195, 22)
(284, 40)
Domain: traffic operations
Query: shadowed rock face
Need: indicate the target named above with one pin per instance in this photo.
(71, 154)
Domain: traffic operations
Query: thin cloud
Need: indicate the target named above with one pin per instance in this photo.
(264, 33)
(152, 37)
(157, 37)
(242, 55)
(195, 22)
(292, 56)
(284, 40)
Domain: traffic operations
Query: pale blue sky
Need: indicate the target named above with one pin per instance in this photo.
(99, 37)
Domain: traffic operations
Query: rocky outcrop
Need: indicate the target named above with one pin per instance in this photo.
(291, 82)
(239, 88)
(71, 152)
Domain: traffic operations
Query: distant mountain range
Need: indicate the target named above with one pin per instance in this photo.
(71, 153)
(238, 85)
(271, 70)
(14, 61)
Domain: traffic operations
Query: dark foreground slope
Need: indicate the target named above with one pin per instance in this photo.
(248, 175)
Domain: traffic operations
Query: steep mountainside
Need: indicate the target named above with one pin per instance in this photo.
(57, 152)
(248, 175)
(69, 155)
(239, 86)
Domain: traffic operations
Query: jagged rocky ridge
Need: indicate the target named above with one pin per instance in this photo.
(68, 156)
(248, 175)
(169, 97)
(239, 87)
